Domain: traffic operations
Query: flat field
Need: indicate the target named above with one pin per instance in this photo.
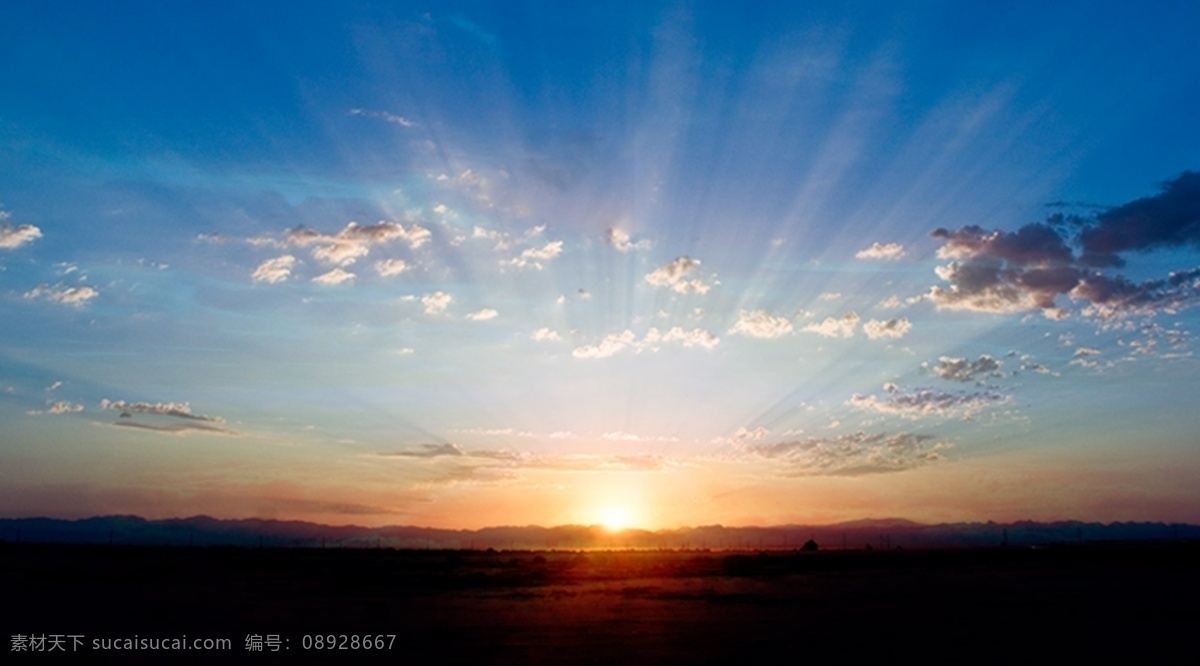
(621, 607)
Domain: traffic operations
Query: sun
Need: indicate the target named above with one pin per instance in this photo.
(614, 519)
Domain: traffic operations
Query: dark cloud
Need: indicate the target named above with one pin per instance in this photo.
(1113, 296)
(180, 410)
(1168, 219)
(1028, 269)
(429, 451)
(174, 428)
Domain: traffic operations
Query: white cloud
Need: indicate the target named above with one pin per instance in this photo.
(962, 370)
(743, 436)
(75, 296)
(829, 296)
(60, 407)
(759, 324)
(436, 303)
(390, 267)
(892, 328)
(340, 254)
(384, 116)
(12, 238)
(891, 252)
(621, 436)
(274, 270)
(501, 239)
(696, 337)
(334, 277)
(675, 276)
(544, 334)
(842, 327)
(534, 256)
(613, 343)
(620, 240)
(351, 243)
(483, 315)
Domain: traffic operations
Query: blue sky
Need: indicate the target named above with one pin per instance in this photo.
(469, 264)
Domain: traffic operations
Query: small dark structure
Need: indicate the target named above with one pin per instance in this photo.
(809, 546)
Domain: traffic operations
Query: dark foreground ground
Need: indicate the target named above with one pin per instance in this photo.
(966, 606)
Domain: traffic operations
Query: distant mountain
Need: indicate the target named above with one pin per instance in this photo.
(869, 533)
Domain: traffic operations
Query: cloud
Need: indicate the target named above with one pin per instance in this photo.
(621, 436)
(351, 243)
(12, 237)
(620, 240)
(929, 402)
(59, 407)
(436, 303)
(892, 328)
(615, 343)
(76, 296)
(696, 337)
(1168, 219)
(852, 454)
(180, 410)
(274, 270)
(842, 327)
(429, 451)
(1008, 272)
(962, 370)
(502, 240)
(172, 418)
(483, 315)
(472, 462)
(390, 267)
(759, 324)
(1004, 271)
(891, 252)
(675, 276)
(544, 334)
(174, 428)
(334, 277)
(743, 435)
(534, 256)
(384, 116)
(612, 344)
(1115, 297)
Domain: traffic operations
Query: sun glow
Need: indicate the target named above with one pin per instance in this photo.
(615, 519)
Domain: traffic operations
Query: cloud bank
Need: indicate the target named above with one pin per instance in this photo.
(853, 454)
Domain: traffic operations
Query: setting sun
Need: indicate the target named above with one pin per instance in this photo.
(615, 519)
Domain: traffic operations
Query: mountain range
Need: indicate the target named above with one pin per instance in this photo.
(871, 533)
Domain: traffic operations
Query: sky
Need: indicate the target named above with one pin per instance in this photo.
(635, 264)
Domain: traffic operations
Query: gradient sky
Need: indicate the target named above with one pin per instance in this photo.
(469, 264)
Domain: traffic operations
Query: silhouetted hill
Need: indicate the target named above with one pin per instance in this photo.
(886, 533)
